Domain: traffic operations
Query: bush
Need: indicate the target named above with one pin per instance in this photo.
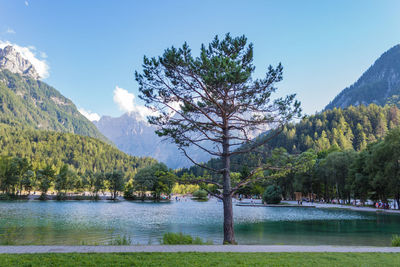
(181, 239)
(9, 235)
(200, 194)
(272, 195)
(120, 241)
(396, 241)
(43, 197)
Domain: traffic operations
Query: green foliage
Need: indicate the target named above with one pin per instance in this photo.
(184, 189)
(120, 241)
(200, 194)
(155, 178)
(45, 177)
(182, 239)
(62, 180)
(396, 241)
(115, 182)
(66, 180)
(28, 103)
(272, 195)
(82, 154)
(337, 129)
(9, 235)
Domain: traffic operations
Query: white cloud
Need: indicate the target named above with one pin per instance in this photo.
(26, 3)
(30, 53)
(10, 31)
(124, 99)
(126, 103)
(92, 116)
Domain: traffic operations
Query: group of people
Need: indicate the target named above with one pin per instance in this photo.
(382, 205)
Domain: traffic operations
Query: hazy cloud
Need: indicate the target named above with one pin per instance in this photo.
(35, 57)
(10, 31)
(26, 3)
(126, 103)
(92, 116)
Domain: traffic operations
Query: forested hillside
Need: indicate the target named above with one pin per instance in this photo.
(353, 127)
(350, 128)
(82, 153)
(26, 102)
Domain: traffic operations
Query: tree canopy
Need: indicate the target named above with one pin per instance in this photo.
(212, 102)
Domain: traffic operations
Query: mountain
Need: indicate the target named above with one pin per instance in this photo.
(83, 153)
(131, 134)
(13, 61)
(26, 101)
(38, 123)
(380, 84)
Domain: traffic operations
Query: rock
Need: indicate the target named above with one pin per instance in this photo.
(13, 61)
(136, 137)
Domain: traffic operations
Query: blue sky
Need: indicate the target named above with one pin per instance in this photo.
(93, 46)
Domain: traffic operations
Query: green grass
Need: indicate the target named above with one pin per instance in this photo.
(202, 259)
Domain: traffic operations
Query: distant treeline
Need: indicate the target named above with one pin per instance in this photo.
(80, 153)
(18, 177)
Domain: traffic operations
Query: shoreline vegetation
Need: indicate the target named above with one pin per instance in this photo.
(196, 196)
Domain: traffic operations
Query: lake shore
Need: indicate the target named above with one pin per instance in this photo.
(339, 206)
(193, 248)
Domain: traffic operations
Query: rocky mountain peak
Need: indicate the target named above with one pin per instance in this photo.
(378, 85)
(12, 60)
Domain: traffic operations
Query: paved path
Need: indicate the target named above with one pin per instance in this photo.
(191, 248)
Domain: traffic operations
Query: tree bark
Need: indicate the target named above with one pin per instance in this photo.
(229, 234)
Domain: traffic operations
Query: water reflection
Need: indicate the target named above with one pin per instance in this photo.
(86, 222)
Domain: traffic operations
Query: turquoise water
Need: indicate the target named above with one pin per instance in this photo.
(85, 222)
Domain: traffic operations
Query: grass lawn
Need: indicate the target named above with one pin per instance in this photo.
(202, 259)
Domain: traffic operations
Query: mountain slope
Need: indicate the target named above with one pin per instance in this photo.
(350, 128)
(378, 85)
(27, 102)
(135, 137)
(55, 148)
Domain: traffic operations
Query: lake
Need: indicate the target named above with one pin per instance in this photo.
(86, 222)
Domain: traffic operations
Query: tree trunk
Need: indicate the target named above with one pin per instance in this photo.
(229, 234)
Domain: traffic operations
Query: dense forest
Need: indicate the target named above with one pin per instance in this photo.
(18, 178)
(26, 102)
(329, 175)
(373, 173)
(81, 153)
(351, 128)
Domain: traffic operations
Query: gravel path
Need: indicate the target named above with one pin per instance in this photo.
(191, 248)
